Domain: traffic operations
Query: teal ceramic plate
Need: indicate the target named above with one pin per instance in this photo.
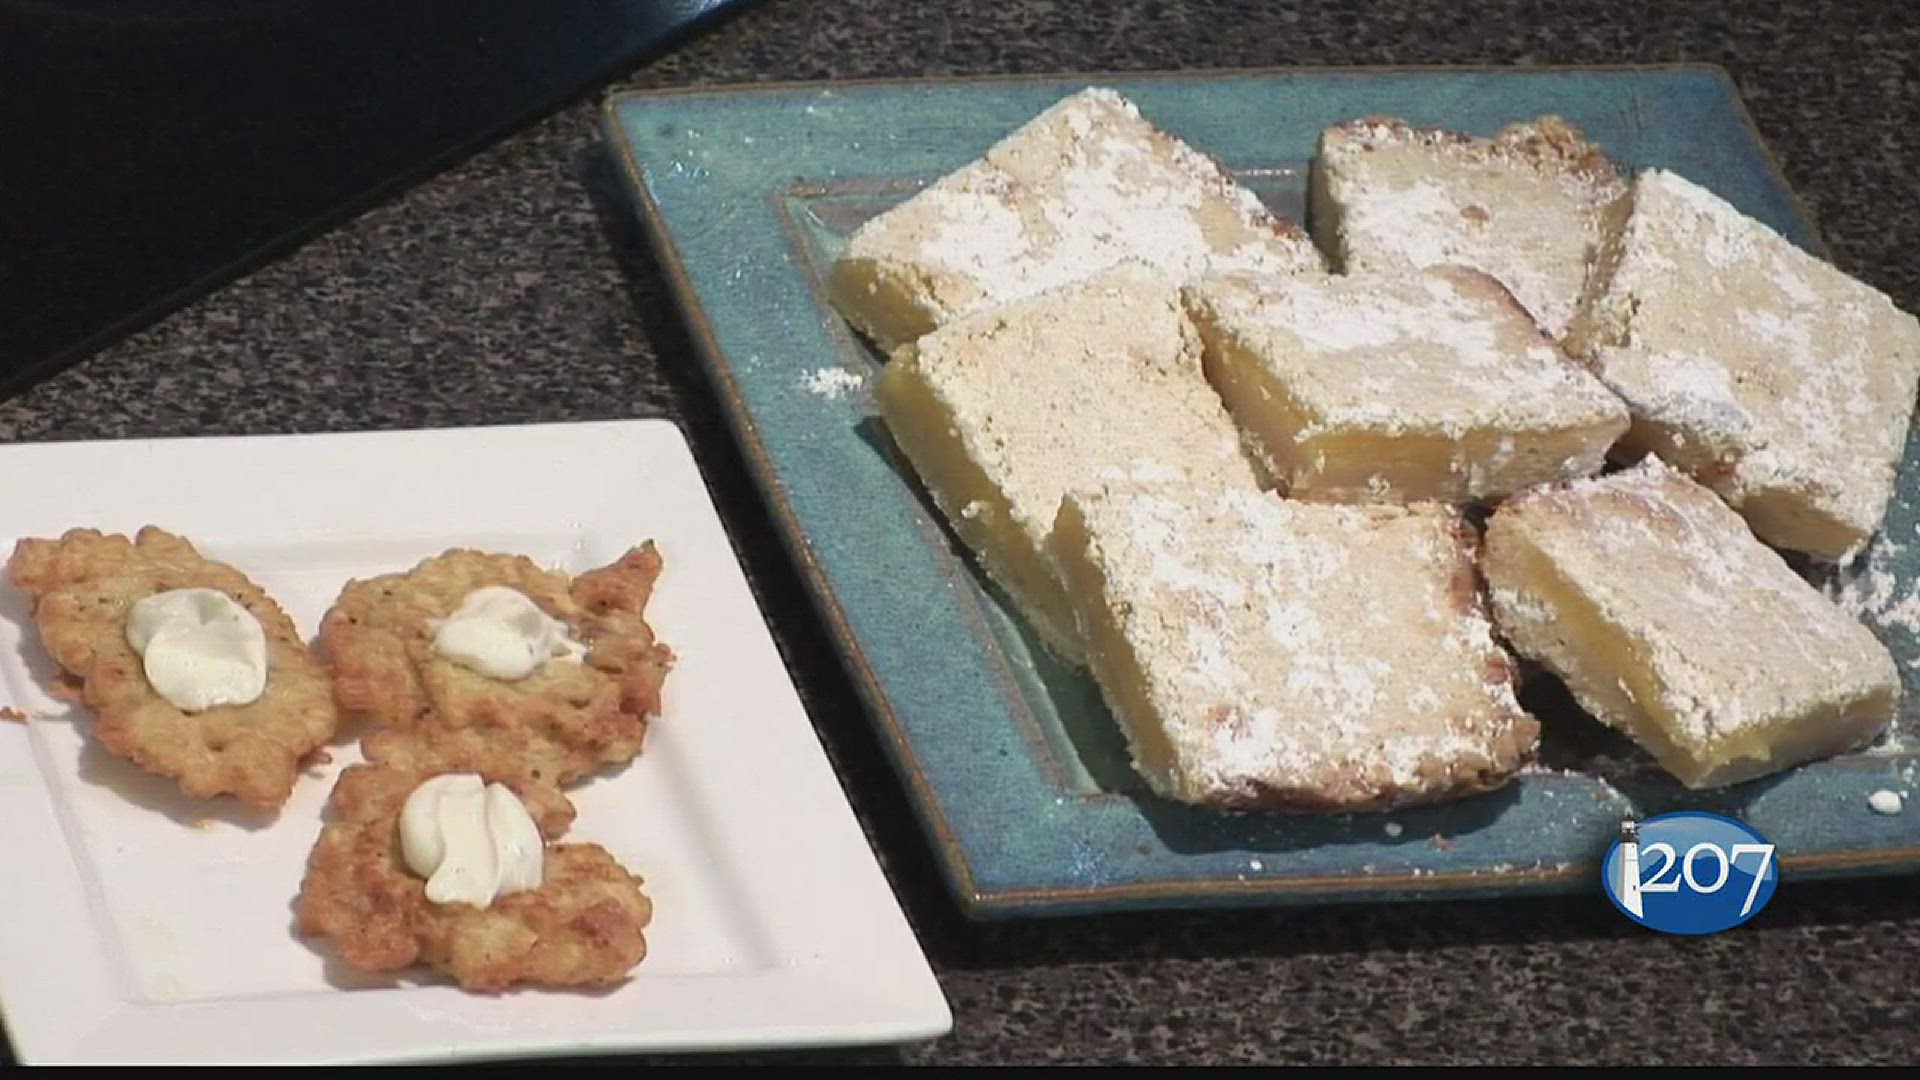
(1013, 763)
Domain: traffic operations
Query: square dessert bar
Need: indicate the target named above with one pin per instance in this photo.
(1084, 185)
(1003, 412)
(1671, 622)
(1767, 374)
(1400, 385)
(1526, 206)
(1266, 653)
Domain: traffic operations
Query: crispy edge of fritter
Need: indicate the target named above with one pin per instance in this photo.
(84, 584)
(569, 718)
(583, 927)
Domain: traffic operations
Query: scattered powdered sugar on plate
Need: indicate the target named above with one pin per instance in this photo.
(1872, 590)
(1893, 742)
(832, 382)
(1869, 588)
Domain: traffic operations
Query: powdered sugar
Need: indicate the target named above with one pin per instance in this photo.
(1366, 360)
(832, 382)
(1264, 670)
(1403, 351)
(1425, 214)
(1758, 356)
(1035, 396)
(1872, 589)
(1524, 207)
(1085, 185)
(1660, 562)
(1726, 237)
(1035, 392)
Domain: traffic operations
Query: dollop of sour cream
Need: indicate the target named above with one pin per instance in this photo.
(472, 841)
(199, 648)
(500, 633)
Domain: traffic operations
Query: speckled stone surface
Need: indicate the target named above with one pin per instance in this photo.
(512, 289)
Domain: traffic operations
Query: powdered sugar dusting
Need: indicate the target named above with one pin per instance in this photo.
(1524, 207)
(1267, 671)
(1369, 358)
(1037, 394)
(1668, 565)
(1760, 357)
(1087, 184)
(1396, 351)
(1870, 588)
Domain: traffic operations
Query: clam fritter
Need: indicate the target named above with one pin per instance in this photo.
(565, 720)
(83, 586)
(582, 927)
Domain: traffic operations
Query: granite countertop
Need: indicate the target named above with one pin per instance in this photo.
(494, 294)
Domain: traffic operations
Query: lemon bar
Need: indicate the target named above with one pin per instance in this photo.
(1400, 385)
(1262, 652)
(1767, 374)
(1002, 413)
(1526, 206)
(1671, 622)
(1085, 185)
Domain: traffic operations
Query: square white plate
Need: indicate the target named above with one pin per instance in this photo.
(137, 925)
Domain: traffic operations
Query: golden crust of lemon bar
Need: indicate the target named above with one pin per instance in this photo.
(1004, 412)
(1671, 622)
(1400, 385)
(83, 586)
(1527, 206)
(1267, 653)
(1767, 374)
(583, 927)
(560, 723)
(1083, 186)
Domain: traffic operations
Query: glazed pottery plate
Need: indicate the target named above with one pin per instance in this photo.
(1012, 761)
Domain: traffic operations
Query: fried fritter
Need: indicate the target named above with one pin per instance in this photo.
(564, 721)
(582, 927)
(373, 785)
(505, 755)
(83, 586)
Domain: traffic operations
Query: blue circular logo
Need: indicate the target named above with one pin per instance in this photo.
(1690, 872)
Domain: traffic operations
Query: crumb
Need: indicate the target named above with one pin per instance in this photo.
(1885, 802)
(8, 712)
(318, 758)
(1442, 842)
(1394, 828)
(205, 824)
(831, 382)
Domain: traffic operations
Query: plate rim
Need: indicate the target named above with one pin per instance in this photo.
(896, 959)
(610, 105)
